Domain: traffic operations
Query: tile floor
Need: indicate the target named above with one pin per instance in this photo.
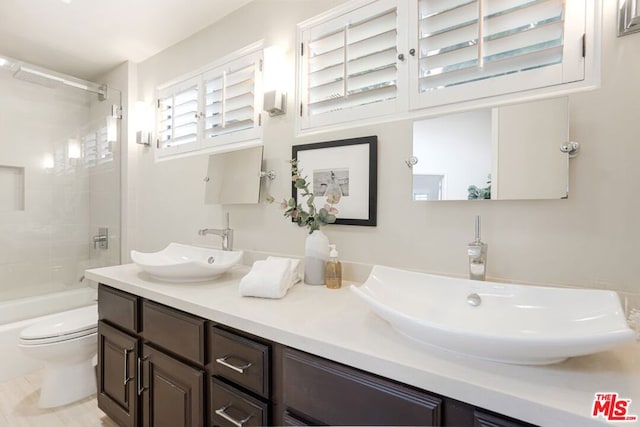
(19, 407)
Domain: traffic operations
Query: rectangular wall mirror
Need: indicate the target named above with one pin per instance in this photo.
(234, 177)
(504, 153)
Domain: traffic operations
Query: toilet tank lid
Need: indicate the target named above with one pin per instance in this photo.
(68, 322)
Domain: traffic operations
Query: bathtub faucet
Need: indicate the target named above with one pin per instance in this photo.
(225, 233)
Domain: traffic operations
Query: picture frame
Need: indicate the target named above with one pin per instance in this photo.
(348, 164)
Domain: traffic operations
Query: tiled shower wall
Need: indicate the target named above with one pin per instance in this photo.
(45, 242)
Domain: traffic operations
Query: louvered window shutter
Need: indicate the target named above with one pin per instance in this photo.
(232, 105)
(89, 150)
(178, 117)
(472, 49)
(349, 66)
(105, 155)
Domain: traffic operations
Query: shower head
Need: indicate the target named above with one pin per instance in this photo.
(38, 77)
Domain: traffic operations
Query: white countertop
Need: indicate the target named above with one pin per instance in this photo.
(336, 325)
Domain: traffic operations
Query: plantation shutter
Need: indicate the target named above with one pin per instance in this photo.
(90, 149)
(491, 47)
(105, 154)
(349, 66)
(232, 105)
(178, 113)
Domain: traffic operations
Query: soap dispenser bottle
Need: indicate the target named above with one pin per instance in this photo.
(477, 252)
(333, 270)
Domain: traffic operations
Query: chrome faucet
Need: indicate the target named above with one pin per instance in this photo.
(225, 233)
(477, 252)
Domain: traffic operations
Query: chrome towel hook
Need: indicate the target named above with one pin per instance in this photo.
(570, 148)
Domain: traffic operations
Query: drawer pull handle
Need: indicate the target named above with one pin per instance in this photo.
(223, 361)
(141, 387)
(127, 378)
(223, 413)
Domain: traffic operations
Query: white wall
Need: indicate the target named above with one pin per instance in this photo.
(588, 240)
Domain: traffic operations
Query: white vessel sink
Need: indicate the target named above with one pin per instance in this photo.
(517, 324)
(184, 263)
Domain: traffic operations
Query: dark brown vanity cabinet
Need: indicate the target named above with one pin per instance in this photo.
(158, 366)
(150, 362)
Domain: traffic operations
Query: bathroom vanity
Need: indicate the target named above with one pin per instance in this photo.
(199, 354)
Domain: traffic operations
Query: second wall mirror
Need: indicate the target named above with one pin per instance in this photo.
(503, 153)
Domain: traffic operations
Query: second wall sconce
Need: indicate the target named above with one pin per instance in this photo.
(275, 102)
(628, 17)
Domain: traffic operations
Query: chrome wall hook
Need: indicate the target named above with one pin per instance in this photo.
(269, 174)
(411, 162)
(570, 148)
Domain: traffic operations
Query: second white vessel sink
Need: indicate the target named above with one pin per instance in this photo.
(508, 323)
(184, 263)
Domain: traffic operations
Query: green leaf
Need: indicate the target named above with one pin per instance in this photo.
(300, 183)
(292, 203)
(330, 219)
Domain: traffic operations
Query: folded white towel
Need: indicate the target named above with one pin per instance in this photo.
(295, 269)
(271, 278)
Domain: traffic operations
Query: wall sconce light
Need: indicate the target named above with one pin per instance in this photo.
(144, 123)
(277, 74)
(628, 17)
(73, 149)
(47, 162)
(112, 129)
(143, 138)
(275, 103)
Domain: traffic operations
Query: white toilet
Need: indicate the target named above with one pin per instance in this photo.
(66, 343)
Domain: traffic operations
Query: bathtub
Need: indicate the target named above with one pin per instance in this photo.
(17, 314)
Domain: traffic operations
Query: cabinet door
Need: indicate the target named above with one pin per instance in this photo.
(482, 419)
(335, 394)
(117, 353)
(172, 392)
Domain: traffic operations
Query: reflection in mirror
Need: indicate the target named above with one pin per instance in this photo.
(234, 177)
(503, 153)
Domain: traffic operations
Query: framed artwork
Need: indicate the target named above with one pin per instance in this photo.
(347, 166)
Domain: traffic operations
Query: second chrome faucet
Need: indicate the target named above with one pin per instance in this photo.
(225, 233)
(477, 252)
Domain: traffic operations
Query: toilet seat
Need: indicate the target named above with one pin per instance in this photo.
(62, 327)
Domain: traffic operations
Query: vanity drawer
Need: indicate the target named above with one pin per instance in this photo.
(240, 360)
(335, 394)
(231, 407)
(119, 308)
(180, 333)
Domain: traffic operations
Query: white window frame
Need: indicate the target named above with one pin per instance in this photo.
(572, 68)
(416, 105)
(336, 19)
(254, 59)
(232, 141)
(172, 90)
